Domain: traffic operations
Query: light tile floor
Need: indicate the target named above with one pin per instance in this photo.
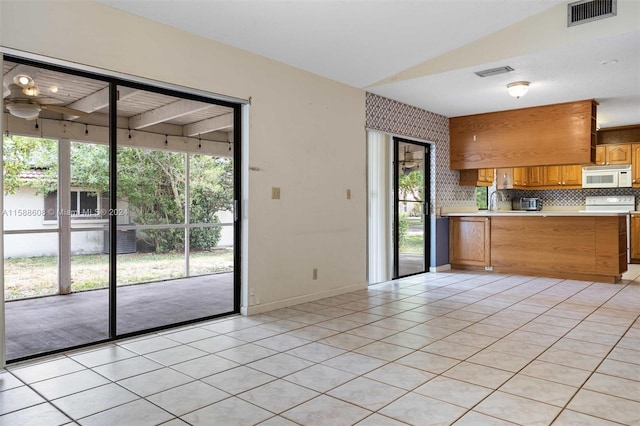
(435, 349)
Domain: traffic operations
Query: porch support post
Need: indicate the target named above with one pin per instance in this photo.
(3, 339)
(64, 217)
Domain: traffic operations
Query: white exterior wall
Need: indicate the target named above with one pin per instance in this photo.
(24, 210)
(306, 135)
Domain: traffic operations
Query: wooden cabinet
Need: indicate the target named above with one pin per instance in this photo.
(520, 176)
(582, 247)
(635, 238)
(613, 154)
(480, 177)
(469, 242)
(562, 176)
(527, 177)
(635, 162)
(536, 174)
(572, 175)
(551, 134)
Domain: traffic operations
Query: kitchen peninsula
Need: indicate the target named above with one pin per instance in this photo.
(571, 245)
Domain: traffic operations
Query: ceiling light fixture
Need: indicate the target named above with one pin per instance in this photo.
(31, 91)
(27, 111)
(23, 81)
(518, 88)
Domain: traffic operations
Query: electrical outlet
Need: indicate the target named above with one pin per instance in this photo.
(275, 193)
(348, 194)
(315, 273)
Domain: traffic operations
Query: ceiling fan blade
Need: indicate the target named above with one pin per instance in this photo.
(65, 110)
(47, 101)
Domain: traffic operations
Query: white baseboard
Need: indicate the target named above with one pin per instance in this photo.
(266, 307)
(440, 268)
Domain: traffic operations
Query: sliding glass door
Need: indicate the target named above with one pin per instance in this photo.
(175, 224)
(119, 208)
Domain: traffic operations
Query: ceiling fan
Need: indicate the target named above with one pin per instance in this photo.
(409, 162)
(22, 99)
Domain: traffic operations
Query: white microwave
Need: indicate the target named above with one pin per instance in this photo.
(606, 176)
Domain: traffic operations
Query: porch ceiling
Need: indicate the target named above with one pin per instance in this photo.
(137, 109)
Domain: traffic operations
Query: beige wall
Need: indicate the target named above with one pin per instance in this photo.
(306, 136)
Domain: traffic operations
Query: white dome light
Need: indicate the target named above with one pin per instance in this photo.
(518, 88)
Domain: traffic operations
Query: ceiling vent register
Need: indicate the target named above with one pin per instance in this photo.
(493, 71)
(584, 11)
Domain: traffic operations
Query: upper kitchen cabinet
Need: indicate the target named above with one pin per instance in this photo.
(536, 176)
(481, 177)
(551, 135)
(562, 176)
(520, 176)
(635, 162)
(613, 154)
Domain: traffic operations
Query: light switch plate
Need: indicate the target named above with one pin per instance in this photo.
(275, 193)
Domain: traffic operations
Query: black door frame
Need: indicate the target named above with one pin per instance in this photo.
(426, 210)
(114, 82)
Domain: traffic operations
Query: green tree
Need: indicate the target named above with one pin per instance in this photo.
(21, 154)
(411, 185)
(153, 183)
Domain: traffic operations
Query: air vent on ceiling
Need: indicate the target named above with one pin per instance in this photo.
(584, 11)
(493, 71)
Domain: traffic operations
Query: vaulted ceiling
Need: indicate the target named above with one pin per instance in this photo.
(426, 52)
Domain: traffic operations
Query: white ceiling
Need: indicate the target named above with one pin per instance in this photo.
(425, 52)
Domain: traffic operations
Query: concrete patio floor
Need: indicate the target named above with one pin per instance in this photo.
(51, 323)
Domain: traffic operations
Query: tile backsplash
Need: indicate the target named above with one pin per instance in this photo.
(395, 118)
(571, 197)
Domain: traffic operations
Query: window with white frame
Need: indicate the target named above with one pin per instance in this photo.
(84, 204)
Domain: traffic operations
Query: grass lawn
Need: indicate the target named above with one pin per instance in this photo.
(38, 276)
(412, 244)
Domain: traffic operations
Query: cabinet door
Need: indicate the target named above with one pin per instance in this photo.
(536, 176)
(485, 175)
(572, 175)
(635, 160)
(469, 241)
(619, 154)
(520, 177)
(552, 176)
(476, 177)
(601, 155)
(635, 238)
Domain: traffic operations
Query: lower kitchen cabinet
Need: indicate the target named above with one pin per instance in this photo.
(469, 242)
(635, 238)
(578, 246)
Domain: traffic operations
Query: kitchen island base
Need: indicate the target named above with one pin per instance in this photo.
(580, 247)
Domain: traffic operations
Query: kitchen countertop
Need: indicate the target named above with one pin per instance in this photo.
(540, 213)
